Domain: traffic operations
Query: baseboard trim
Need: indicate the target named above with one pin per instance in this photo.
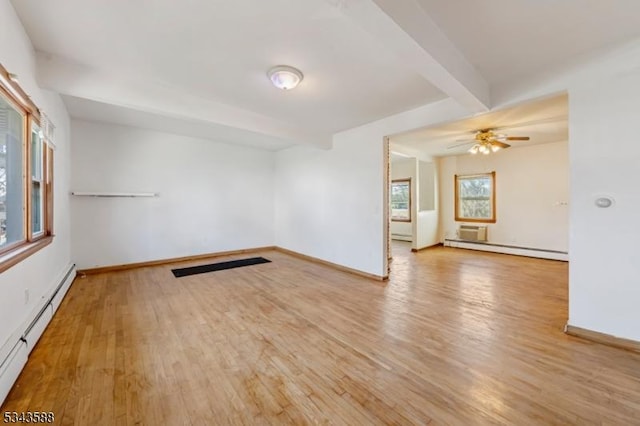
(332, 265)
(414, 250)
(603, 338)
(113, 268)
(123, 267)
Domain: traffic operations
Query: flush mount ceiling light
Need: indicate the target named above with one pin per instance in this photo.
(285, 77)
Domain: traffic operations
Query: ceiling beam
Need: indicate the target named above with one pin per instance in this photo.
(68, 78)
(405, 28)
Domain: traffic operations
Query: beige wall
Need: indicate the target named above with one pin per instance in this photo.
(532, 193)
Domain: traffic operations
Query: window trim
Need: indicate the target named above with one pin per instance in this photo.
(17, 251)
(456, 187)
(23, 251)
(17, 95)
(48, 191)
(396, 219)
(35, 236)
(25, 128)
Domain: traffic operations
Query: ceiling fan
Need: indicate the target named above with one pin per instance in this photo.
(487, 141)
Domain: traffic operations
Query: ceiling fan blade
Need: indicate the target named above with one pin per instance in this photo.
(516, 138)
(500, 144)
(461, 144)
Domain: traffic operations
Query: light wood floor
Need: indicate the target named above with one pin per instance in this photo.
(455, 337)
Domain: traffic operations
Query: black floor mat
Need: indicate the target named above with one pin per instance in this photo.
(201, 269)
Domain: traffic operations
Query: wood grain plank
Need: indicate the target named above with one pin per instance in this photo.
(454, 337)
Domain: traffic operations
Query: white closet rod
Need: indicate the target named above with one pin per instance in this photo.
(115, 194)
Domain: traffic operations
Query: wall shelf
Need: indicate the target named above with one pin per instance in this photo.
(115, 194)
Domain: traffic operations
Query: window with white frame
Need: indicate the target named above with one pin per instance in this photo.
(401, 200)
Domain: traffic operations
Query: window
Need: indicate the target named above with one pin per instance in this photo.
(26, 177)
(11, 174)
(475, 197)
(37, 180)
(401, 200)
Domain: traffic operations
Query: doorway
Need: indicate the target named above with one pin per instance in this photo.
(525, 147)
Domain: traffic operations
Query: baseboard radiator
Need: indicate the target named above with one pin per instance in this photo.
(508, 249)
(401, 237)
(14, 354)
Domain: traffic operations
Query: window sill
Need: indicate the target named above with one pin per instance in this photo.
(469, 220)
(17, 255)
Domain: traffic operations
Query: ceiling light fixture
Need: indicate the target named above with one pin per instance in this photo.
(285, 77)
(485, 147)
(486, 141)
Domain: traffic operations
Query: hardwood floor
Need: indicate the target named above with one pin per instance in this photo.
(455, 337)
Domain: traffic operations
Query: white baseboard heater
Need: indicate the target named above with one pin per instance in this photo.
(508, 249)
(14, 354)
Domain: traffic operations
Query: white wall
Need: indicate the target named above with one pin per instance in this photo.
(329, 204)
(405, 169)
(532, 185)
(604, 286)
(213, 196)
(427, 185)
(326, 204)
(427, 221)
(604, 100)
(41, 272)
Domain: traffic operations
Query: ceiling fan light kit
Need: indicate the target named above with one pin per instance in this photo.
(485, 148)
(486, 141)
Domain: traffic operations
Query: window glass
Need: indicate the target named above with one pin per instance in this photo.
(474, 198)
(401, 200)
(37, 180)
(11, 174)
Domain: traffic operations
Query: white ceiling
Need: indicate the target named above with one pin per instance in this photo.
(544, 121)
(85, 109)
(507, 38)
(221, 50)
(170, 65)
